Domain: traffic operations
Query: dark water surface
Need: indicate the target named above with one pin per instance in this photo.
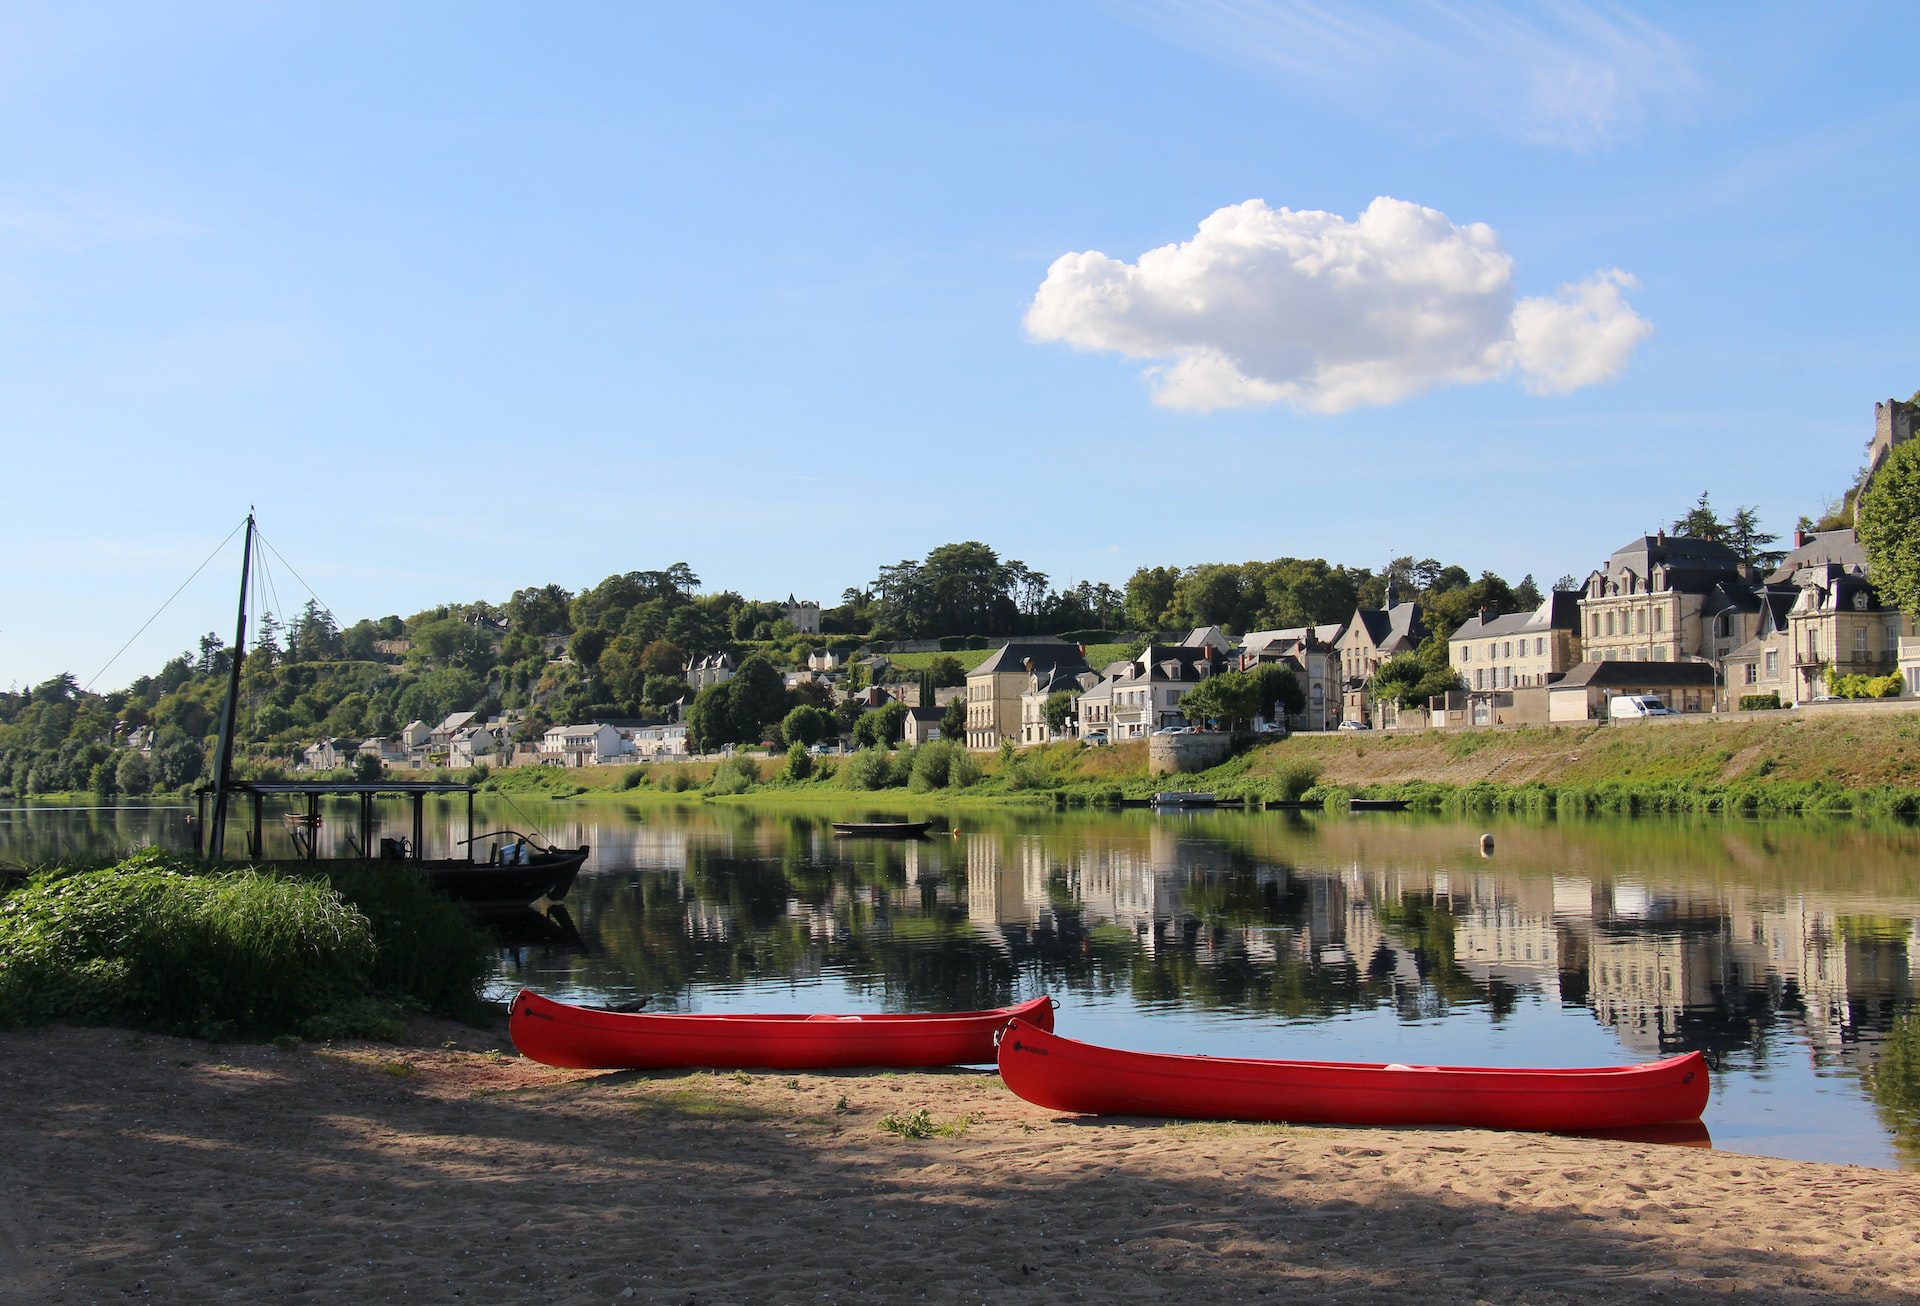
(1788, 952)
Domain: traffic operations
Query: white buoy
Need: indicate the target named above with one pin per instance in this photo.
(1486, 845)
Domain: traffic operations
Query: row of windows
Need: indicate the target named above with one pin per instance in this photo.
(1505, 649)
(1603, 624)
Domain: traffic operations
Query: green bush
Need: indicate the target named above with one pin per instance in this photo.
(1030, 771)
(734, 775)
(426, 949)
(1759, 702)
(151, 946)
(676, 780)
(931, 766)
(1295, 779)
(799, 763)
(633, 777)
(870, 768)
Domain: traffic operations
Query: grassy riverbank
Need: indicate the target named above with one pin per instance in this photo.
(1775, 763)
(1866, 763)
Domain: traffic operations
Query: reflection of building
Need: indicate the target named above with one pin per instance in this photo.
(1495, 940)
(1642, 985)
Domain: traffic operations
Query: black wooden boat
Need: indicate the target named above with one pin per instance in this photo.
(881, 829)
(1377, 805)
(518, 870)
(543, 875)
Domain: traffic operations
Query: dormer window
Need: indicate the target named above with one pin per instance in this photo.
(1860, 601)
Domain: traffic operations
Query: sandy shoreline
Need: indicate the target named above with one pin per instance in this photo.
(449, 1171)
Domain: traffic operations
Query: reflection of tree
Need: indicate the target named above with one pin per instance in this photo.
(1895, 1084)
(1426, 930)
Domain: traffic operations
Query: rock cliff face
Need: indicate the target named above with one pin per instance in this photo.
(1172, 754)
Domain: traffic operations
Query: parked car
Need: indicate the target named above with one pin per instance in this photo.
(1096, 737)
(1353, 725)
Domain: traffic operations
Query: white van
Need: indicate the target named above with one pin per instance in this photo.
(1621, 706)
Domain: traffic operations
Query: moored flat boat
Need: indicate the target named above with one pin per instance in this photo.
(1377, 805)
(1184, 798)
(547, 874)
(881, 829)
(588, 1038)
(1066, 1075)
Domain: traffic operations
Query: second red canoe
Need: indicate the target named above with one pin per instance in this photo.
(560, 1034)
(1065, 1075)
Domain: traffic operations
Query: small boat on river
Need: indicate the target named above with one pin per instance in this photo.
(589, 1038)
(881, 829)
(1184, 798)
(1065, 1075)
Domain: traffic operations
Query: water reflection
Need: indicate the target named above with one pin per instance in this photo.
(1789, 952)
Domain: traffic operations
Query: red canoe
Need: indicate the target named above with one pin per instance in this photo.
(1060, 1073)
(590, 1039)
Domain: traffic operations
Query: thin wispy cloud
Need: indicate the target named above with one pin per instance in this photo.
(1264, 306)
(1566, 75)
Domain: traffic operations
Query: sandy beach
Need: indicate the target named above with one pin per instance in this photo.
(451, 1170)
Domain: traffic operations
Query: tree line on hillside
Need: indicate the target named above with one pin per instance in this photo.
(627, 641)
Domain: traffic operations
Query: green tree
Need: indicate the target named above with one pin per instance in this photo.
(805, 726)
(1889, 525)
(539, 611)
(133, 776)
(1277, 692)
(1150, 596)
(1412, 678)
(882, 727)
(953, 722)
(1700, 522)
(1746, 538)
(946, 672)
(1058, 709)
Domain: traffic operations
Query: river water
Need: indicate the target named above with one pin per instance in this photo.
(1787, 952)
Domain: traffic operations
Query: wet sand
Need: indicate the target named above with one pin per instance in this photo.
(451, 1170)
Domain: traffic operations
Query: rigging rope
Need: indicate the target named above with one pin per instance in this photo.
(162, 608)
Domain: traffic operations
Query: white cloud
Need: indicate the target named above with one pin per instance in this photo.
(1580, 336)
(1566, 75)
(1264, 305)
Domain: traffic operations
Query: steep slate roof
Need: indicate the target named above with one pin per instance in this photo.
(1480, 626)
(1012, 657)
(1258, 639)
(1731, 596)
(1619, 675)
(1825, 548)
(1694, 566)
(1387, 626)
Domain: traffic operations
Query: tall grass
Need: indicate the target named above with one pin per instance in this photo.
(154, 943)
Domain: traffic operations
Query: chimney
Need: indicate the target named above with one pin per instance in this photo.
(1799, 538)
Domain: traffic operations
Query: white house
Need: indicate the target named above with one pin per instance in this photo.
(472, 745)
(593, 744)
(391, 752)
(668, 740)
(714, 669)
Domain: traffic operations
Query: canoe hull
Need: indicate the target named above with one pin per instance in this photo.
(1066, 1075)
(560, 1034)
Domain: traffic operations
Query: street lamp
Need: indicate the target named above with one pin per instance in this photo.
(1718, 676)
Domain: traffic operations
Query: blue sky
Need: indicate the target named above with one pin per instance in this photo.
(470, 297)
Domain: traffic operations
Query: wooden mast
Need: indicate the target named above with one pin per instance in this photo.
(229, 712)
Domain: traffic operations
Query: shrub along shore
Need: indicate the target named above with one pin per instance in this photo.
(161, 943)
